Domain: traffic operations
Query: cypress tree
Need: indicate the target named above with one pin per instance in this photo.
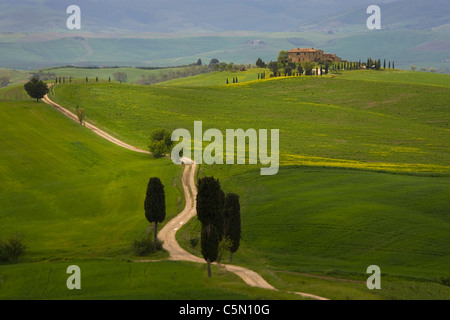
(210, 201)
(232, 222)
(155, 204)
(210, 245)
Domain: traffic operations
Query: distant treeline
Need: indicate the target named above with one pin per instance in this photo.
(119, 67)
(173, 74)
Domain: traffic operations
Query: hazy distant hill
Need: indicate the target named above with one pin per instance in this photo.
(407, 14)
(173, 15)
(33, 33)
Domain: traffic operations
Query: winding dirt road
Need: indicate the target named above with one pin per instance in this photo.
(167, 234)
(91, 127)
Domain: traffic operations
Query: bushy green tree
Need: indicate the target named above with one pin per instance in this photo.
(273, 66)
(160, 142)
(213, 62)
(283, 58)
(36, 89)
(260, 63)
(308, 67)
(300, 69)
(81, 114)
(120, 76)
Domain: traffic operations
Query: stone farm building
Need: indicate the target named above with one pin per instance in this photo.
(311, 54)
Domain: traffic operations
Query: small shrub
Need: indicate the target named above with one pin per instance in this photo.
(12, 249)
(142, 246)
(81, 114)
(145, 246)
(158, 245)
(224, 247)
(446, 281)
(194, 242)
(2, 252)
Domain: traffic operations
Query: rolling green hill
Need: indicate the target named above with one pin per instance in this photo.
(374, 124)
(78, 199)
(58, 178)
(364, 177)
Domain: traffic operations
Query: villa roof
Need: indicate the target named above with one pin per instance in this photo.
(304, 50)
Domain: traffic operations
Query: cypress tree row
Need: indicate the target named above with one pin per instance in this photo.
(220, 219)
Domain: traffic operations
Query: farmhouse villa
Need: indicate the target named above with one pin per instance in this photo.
(311, 54)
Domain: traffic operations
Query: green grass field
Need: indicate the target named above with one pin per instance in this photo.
(134, 75)
(58, 178)
(78, 199)
(338, 221)
(315, 216)
(323, 120)
(364, 177)
(122, 280)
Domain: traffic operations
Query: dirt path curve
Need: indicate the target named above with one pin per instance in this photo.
(91, 127)
(167, 234)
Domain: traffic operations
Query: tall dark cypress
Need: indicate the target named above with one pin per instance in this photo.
(155, 203)
(210, 245)
(210, 200)
(232, 221)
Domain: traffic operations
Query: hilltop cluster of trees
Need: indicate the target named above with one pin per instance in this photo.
(44, 76)
(284, 66)
(220, 218)
(425, 69)
(174, 74)
(215, 65)
(4, 81)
